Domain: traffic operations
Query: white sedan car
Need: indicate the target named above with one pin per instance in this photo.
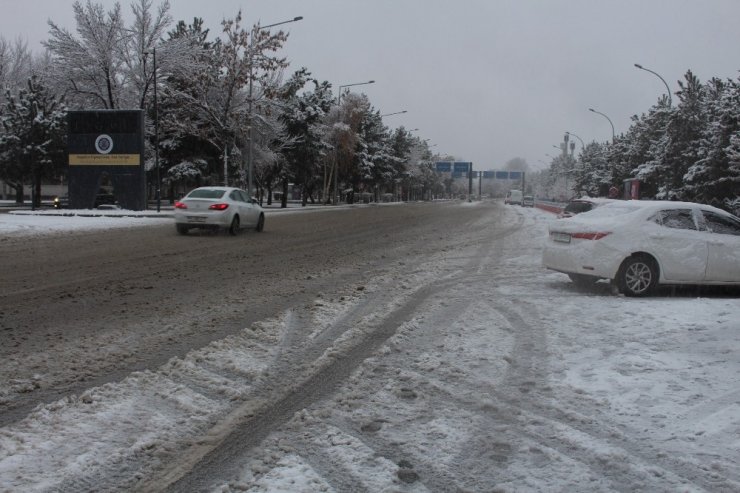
(640, 244)
(218, 208)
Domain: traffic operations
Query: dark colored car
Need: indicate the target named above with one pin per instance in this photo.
(103, 197)
(61, 202)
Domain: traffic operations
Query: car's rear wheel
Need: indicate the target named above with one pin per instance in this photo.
(582, 280)
(182, 229)
(261, 223)
(638, 276)
(234, 228)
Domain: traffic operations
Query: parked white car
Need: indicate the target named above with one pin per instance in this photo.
(218, 208)
(640, 244)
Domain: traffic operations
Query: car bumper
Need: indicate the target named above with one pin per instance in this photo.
(203, 220)
(588, 258)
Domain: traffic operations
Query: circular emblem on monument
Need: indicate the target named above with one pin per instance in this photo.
(103, 144)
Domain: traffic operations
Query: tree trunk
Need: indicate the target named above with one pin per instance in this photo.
(18, 193)
(37, 191)
(284, 200)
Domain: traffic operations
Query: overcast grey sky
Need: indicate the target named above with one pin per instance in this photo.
(484, 80)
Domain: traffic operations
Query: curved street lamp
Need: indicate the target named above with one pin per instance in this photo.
(256, 29)
(396, 113)
(583, 146)
(339, 97)
(668, 89)
(609, 119)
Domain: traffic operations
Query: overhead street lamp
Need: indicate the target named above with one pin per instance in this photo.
(339, 97)
(583, 146)
(250, 152)
(336, 154)
(396, 113)
(668, 89)
(157, 193)
(610, 121)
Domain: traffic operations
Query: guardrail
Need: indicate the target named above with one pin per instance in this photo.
(554, 207)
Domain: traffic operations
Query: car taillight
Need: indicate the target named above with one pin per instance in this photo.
(590, 236)
(219, 207)
(181, 205)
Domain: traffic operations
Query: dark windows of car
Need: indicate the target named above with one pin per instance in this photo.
(206, 193)
(675, 218)
(577, 207)
(720, 224)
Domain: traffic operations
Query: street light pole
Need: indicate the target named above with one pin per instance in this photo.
(668, 89)
(250, 151)
(336, 153)
(609, 119)
(583, 146)
(396, 113)
(157, 192)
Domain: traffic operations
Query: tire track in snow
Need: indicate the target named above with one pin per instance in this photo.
(250, 430)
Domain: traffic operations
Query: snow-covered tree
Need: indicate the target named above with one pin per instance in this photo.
(715, 177)
(213, 104)
(15, 64)
(90, 66)
(373, 156)
(592, 174)
(32, 138)
(302, 114)
(684, 133)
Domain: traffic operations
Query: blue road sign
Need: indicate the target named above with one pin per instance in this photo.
(502, 175)
(515, 175)
(489, 174)
(462, 167)
(444, 166)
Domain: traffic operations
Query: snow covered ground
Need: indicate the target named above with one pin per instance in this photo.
(504, 378)
(27, 223)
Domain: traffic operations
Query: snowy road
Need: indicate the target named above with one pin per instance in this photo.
(413, 348)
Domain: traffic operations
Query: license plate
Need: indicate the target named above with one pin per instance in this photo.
(196, 219)
(561, 237)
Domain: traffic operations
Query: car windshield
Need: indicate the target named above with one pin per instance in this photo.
(206, 193)
(578, 207)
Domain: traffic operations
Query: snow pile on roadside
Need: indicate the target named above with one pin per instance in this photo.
(17, 224)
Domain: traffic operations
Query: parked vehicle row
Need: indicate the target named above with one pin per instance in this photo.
(642, 244)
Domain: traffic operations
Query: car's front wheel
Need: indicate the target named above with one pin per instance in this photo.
(234, 228)
(260, 223)
(638, 276)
